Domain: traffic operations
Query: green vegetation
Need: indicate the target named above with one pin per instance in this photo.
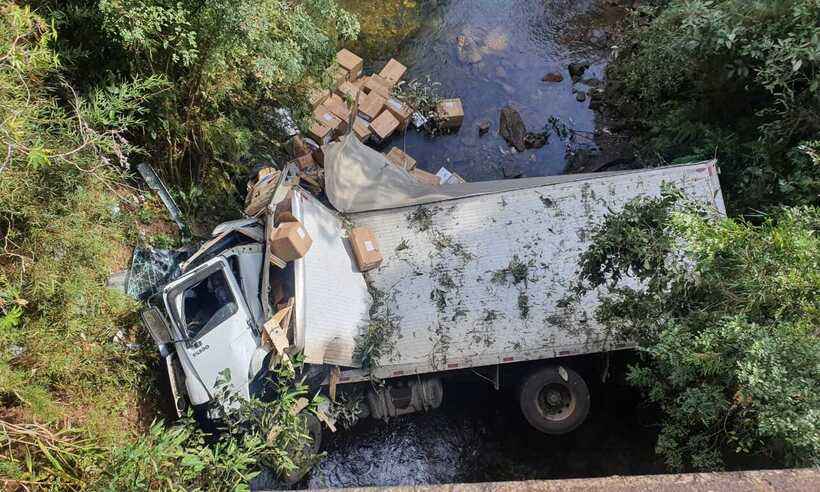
(726, 316)
(734, 79)
(86, 90)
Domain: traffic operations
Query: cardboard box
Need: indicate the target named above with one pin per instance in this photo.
(450, 113)
(393, 72)
(320, 133)
(426, 178)
(317, 96)
(290, 241)
(361, 129)
(325, 116)
(337, 75)
(376, 84)
(348, 91)
(365, 248)
(400, 111)
(448, 177)
(351, 62)
(383, 126)
(400, 159)
(370, 106)
(338, 107)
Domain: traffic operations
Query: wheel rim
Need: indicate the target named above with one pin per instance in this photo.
(556, 402)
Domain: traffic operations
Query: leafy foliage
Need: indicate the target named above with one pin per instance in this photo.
(725, 315)
(734, 79)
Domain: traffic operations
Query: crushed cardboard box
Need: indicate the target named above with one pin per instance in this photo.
(365, 248)
(377, 84)
(317, 96)
(325, 116)
(338, 108)
(322, 134)
(400, 159)
(351, 63)
(348, 91)
(450, 113)
(361, 129)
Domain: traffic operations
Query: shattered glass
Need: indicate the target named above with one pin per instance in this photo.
(151, 268)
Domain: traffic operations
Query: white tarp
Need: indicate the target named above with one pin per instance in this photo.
(359, 179)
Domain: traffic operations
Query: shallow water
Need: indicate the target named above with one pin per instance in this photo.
(490, 53)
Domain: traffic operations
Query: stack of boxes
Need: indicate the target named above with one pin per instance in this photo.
(365, 105)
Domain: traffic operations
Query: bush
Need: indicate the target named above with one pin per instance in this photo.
(735, 79)
(725, 316)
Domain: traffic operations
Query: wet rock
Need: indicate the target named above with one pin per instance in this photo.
(581, 96)
(596, 99)
(483, 127)
(552, 77)
(577, 69)
(534, 140)
(512, 128)
(593, 82)
(598, 37)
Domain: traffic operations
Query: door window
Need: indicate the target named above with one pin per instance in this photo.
(208, 303)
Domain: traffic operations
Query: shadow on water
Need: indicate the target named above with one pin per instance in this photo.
(479, 435)
(490, 53)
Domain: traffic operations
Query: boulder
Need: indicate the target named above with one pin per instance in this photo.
(512, 128)
(581, 96)
(483, 127)
(534, 140)
(552, 77)
(577, 69)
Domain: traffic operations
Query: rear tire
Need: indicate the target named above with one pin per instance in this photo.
(554, 400)
(314, 428)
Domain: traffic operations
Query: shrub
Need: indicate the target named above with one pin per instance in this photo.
(735, 79)
(725, 315)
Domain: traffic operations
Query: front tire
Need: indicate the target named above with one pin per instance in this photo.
(555, 400)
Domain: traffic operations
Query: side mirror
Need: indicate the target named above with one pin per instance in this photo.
(157, 326)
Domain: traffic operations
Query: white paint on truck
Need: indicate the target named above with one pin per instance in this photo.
(443, 284)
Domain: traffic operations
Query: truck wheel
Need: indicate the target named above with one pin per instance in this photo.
(554, 400)
(314, 429)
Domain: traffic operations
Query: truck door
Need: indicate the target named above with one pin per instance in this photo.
(216, 326)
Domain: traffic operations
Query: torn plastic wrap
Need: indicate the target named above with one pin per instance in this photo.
(151, 269)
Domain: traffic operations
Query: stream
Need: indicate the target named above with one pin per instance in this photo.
(492, 53)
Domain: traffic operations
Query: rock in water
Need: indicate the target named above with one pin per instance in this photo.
(581, 96)
(534, 140)
(552, 77)
(577, 69)
(512, 128)
(483, 127)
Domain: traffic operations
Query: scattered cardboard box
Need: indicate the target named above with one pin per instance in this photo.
(325, 116)
(338, 107)
(290, 241)
(377, 84)
(383, 126)
(370, 105)
(361, 129)
(322, 134)
(450, 113)
(393, 72)
(400, 110)
(337, 75)
(365, 248)
(425, 177)
(448, 177)
(317, 96)
(348, 91)
(351, 62)
(401, 159)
